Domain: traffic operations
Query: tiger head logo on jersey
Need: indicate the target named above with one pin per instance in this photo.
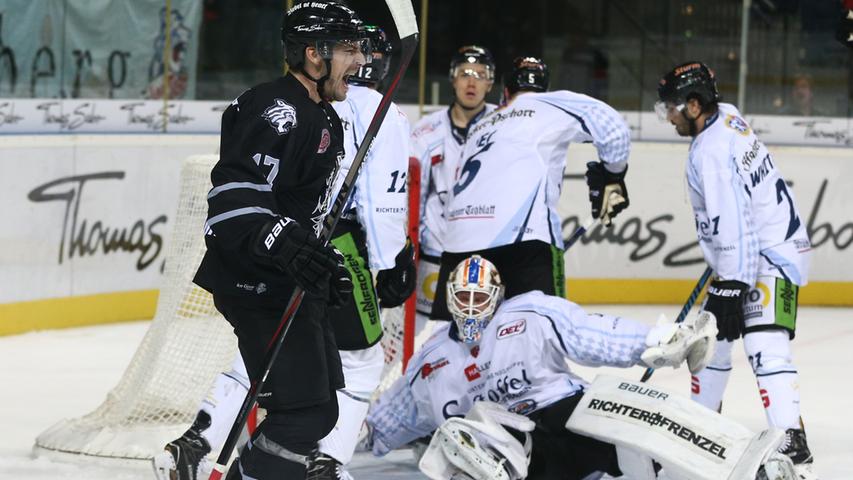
(281, 116)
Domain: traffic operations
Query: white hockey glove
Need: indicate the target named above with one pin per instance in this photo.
(479, 446)
(670, 344)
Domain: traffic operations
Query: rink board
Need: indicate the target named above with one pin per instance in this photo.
(87, 219)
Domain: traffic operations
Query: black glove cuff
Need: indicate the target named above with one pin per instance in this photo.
(727, 288)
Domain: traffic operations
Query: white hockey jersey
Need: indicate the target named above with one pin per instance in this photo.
(511, 170)
(747, 220)
(438, 148)
(379, 199)
(520, 363)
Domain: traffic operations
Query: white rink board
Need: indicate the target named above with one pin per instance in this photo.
(91, 214)
(87, 214)
(656, 238)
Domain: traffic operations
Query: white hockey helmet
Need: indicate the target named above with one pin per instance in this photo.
(474, 290)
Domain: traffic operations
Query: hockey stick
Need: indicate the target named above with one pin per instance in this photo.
(407, 30)
(615, 198)
(685, 310)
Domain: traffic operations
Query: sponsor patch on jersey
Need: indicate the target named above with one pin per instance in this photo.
(737, 123)
(325, 141)
(472, 372)
(281, 116)
(523, 407)
(512, 328)
(429, 367)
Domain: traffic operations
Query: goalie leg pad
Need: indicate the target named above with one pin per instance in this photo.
(479, 446)
(688, 440)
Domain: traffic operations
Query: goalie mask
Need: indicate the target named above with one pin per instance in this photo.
(474, 290)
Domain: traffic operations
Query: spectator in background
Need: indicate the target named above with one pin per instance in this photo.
(801, 99)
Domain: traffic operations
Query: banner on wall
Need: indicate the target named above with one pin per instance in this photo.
(98, 48)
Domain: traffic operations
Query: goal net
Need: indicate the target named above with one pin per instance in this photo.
(187, 345)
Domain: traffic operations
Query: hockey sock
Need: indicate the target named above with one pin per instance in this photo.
(340, 442)
(770, 355)
(362, 372)
(223, 402)
(708, 385)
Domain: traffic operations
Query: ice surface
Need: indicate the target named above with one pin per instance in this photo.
(51, 375)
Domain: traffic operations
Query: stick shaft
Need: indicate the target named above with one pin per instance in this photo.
(685, 310)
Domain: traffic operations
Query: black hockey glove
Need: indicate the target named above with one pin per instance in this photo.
(301, 256)
(725, 301)
(395, 285)
(602, 183)
(340, 283)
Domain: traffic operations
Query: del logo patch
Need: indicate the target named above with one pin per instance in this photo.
(281, 116)
(513, 328)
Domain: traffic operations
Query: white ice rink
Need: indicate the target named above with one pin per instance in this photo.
(47, 376)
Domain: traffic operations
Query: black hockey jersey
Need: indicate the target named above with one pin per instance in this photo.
(279, 155)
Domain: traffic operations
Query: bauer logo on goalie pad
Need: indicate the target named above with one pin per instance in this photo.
(510, 329)
(281, 116)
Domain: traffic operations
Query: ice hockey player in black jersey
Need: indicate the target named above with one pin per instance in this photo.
(281, 147)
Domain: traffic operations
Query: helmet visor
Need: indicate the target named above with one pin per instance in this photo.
(665, 109)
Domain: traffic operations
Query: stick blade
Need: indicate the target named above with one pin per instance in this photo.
(404, 17)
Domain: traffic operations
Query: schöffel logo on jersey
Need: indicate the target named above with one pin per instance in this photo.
(281, 116)
(325, 140)
(472, 372)
(510, 329)
(428, 367)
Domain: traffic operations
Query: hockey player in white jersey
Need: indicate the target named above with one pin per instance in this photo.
(513, 353)
(436, 142)
(371, 236)
(503, 202)
(752, 235)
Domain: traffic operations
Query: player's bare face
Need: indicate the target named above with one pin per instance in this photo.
(471, 84)
(675, 116)
(347, 58)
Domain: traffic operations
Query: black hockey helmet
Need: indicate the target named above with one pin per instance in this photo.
(472, 54)
(321, 25)
(528, 74)
(686, 81)
(375, 72)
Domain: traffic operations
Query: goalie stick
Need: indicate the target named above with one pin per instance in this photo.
(685, 310)
(407, 29)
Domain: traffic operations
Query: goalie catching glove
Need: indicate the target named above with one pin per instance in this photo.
(607, 192)
(317, 268)
(670, 344)
(396, 284)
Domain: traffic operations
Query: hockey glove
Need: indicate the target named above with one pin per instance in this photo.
(300, 255)
(340, 284)
(603, 184)
(396, 284)
(725, 301)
